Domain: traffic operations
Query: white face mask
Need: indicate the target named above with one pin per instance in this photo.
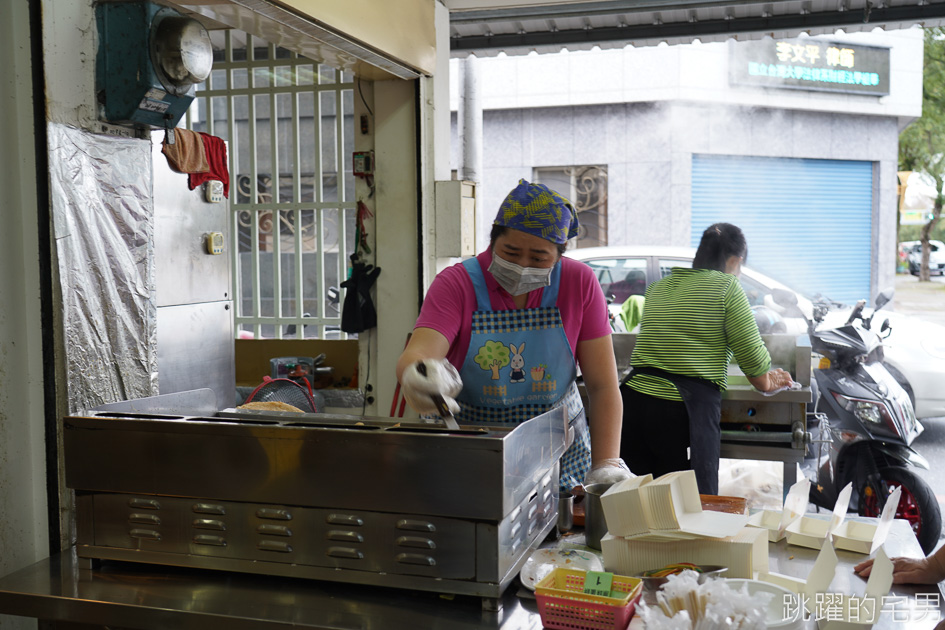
(516, 279)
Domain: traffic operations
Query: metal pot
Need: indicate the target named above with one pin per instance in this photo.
(595, 526)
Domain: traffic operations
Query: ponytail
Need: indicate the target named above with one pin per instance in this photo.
(719, 242)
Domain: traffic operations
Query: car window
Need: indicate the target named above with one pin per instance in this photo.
(666, 265)
(603, 269)
(620, 277)
(755, 291)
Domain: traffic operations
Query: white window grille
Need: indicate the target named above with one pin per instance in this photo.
(586, 188)
(288, 124)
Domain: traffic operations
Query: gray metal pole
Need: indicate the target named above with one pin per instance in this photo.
(471, 125)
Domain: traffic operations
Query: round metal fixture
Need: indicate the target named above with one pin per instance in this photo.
(181, 52)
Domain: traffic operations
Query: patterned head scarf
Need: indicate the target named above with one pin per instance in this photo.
(538, 210)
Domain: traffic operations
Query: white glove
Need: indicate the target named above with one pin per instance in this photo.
(424, 379)
(608, 471)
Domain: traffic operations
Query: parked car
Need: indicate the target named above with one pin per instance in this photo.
(915, 349)
(913, 251)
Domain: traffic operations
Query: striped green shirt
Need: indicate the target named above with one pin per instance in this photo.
(694, 322)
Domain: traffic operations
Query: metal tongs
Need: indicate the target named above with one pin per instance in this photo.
(445, 414)
(441, 407)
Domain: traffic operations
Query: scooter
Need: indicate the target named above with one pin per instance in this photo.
(866, 421)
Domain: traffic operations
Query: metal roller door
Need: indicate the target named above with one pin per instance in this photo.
(808, 222)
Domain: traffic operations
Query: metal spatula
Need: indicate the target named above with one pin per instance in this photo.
(444, 410)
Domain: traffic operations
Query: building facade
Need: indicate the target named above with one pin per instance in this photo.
(679, 140)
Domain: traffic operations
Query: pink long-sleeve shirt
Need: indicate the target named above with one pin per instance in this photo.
(451, 300)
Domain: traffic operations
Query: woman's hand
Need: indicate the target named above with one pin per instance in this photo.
(437, 376)
(608, 471)
(908, 570)
(423, 381)
(778, 378)
(772, 380)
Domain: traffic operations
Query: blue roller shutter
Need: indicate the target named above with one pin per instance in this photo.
(808, 222)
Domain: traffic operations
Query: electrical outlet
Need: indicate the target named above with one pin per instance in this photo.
(363, 163)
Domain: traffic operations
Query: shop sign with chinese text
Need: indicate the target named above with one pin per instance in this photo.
(810, 64)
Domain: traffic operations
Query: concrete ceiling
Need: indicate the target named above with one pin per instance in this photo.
(488, 27)
(277, 23)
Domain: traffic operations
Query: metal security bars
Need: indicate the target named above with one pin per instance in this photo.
(288, 124)
(586, 188)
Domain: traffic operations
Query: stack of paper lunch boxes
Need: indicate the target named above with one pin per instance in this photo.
(655, 522)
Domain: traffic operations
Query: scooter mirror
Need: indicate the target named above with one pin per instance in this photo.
(785, 302)
(884, 298)
(784, 298)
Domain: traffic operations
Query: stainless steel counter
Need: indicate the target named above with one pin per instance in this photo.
(148, 597)
(903, 610)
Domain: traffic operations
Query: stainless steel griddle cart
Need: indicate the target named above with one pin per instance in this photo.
(353, 499)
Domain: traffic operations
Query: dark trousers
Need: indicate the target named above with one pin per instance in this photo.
(655, 434)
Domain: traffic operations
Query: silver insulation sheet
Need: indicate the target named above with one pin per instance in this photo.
(103, 214)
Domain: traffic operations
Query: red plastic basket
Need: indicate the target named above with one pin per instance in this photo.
(563, 604)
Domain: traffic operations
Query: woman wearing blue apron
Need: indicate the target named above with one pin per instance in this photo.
(500, 337)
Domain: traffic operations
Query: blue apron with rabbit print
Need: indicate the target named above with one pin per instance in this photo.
(520, 365)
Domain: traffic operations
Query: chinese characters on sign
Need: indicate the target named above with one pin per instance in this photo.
(811, 64)
(837, 607)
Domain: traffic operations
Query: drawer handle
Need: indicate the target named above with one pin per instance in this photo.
(416, 526)
(274, 545)
(144, 504)
(344, 519)
(274, 514)
(274, 530)
(345, 552)
(209, 523)
(209, 508)
(343, 536)
(416, 558)
(416, 541)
